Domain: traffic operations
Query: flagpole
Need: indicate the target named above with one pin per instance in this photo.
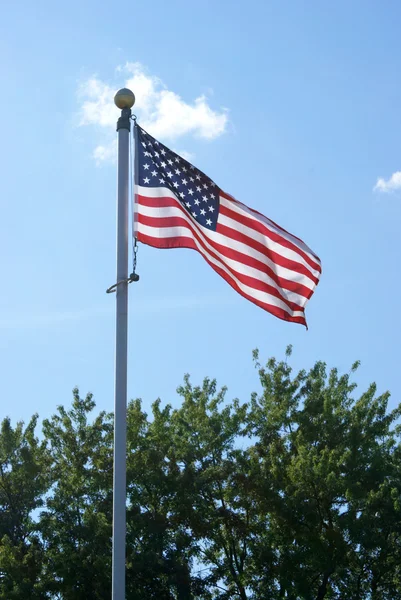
(124, 99)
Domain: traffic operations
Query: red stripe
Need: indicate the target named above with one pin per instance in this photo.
(163, 202)
(245, 259)
(277, 259)
(293, 286)
(263, 217)
(261, 228)
(184, 242)
(188, 242)
(250, 261)
(238, 236)
(257, 284)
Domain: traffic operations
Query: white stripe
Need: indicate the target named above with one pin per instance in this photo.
(157, 192)
(174, 232)
(281, 271)
(276, 247)
(233, 244)
(213, 236)
(164, 192)
(242, 209)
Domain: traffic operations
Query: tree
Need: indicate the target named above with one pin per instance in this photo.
(76, 525)
(24, 479)
(204, 434)
(294, 495)
(161, 551)
(327, 477)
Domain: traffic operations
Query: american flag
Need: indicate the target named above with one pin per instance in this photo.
(178, 206)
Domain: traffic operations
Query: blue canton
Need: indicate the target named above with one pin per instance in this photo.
(157, 166)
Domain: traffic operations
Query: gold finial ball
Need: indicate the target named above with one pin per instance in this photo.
(124, 99)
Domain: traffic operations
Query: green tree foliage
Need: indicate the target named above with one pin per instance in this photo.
(293, 495)
(328, 477)
(76, 524)
(24, 480)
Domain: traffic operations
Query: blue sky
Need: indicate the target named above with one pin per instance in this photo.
(301, 96)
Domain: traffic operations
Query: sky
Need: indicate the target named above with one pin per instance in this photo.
(292, 107)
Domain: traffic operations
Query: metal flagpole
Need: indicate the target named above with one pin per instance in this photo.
(124, 99)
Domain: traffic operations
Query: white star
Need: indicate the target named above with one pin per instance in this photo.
(170, 162)
(192, 167)
(154, 173)
(157, 143)
(143, 144)
(177, 160)
(184, 169)
(169, 174)
(188, 204)
(203, 212)
(150, 144)
(162, 151)
(194, 214)
(197, 202)
(184, 182)
(212, 184)
(211, 208)
(157, 154)
(147, 154)
(198, 189)
(163, 164)
(191, 179)
(161, 180)
(182, 194)
(146, 180)
(175, 184)
(146, 167)
(197, 177)
(205, 186)
(212, 196)
(204, 198)
(191, 192)
(177, 171)
(208, 222)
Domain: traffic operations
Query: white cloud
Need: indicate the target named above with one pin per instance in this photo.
(162, 112)
(105, 153)
(391, 185)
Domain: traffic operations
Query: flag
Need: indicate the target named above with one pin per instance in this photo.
(178, 206)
